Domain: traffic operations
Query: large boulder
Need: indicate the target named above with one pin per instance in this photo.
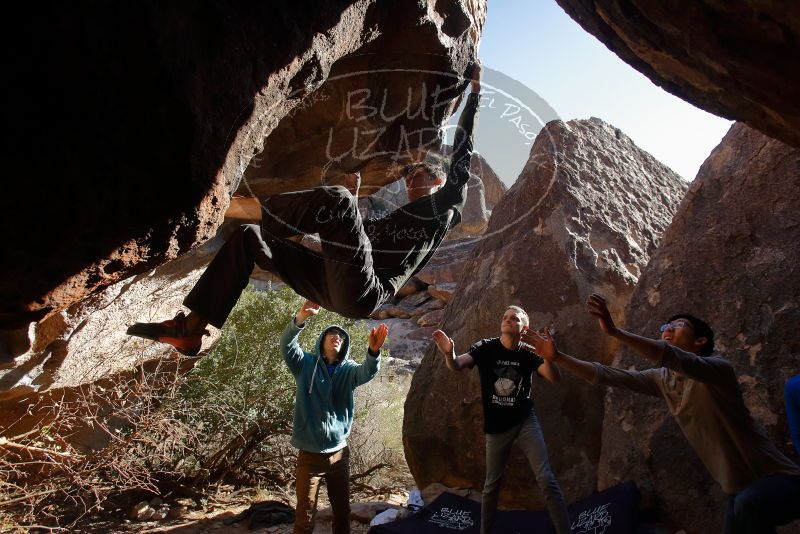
(87, 341)
(154, 111)
(493, 186)
(730, 257)
(740, 60)
(584, 216)
(447, 264)
(485, 189)
(379, 109)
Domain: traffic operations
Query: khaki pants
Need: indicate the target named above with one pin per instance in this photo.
(311, 468)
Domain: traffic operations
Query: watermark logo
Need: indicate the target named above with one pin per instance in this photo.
(452, 518)
(593, 521)
(398, 126)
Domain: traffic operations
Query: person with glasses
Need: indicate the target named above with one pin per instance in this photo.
(323, 413)
(702, 392)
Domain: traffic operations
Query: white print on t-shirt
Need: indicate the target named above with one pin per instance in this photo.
(503, 401)
(507, 385)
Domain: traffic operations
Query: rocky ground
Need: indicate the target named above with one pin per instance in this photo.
(218, 519)
(218, 514)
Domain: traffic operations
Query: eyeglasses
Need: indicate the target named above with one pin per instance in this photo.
(680, 323)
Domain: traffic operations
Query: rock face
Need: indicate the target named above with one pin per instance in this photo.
(419, 312)
(728, 257)
(154, 112)
(735, 59)
(87, 341)
(584, 216)
(448, 263)
(484, 190)
(494, 188)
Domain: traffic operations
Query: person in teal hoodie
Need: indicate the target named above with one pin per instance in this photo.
(323, 413)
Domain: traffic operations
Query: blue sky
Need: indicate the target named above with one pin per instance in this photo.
(536, 43)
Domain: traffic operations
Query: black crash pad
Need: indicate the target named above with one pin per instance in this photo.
(612, 511)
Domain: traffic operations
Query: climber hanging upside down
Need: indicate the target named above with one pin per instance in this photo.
(362, 264)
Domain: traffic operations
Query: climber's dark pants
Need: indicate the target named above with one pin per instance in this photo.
(341, 279)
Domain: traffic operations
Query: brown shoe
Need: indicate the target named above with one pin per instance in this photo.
(173, 332)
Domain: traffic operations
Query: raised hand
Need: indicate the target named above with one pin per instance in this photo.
(307, 310)
(598, 307)
(443, 343)
(377, 336)
(526, 339)
(543, 343)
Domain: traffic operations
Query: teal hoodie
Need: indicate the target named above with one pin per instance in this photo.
(323, 410)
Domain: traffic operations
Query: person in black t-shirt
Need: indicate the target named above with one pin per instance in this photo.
(505, 366)
(363, 263)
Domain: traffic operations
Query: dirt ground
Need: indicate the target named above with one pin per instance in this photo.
(215, 522)
(213, 519)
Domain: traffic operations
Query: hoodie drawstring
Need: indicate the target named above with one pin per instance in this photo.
(316, 366)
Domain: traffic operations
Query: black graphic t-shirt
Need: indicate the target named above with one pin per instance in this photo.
(505, 383)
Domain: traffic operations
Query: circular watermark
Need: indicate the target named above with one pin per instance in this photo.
(382, 122)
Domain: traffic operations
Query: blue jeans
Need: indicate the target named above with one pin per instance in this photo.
(761, 506)
(791, 393)
(528, 435)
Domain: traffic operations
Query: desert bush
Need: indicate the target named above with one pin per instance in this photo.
(47, 478)
(378, 464)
